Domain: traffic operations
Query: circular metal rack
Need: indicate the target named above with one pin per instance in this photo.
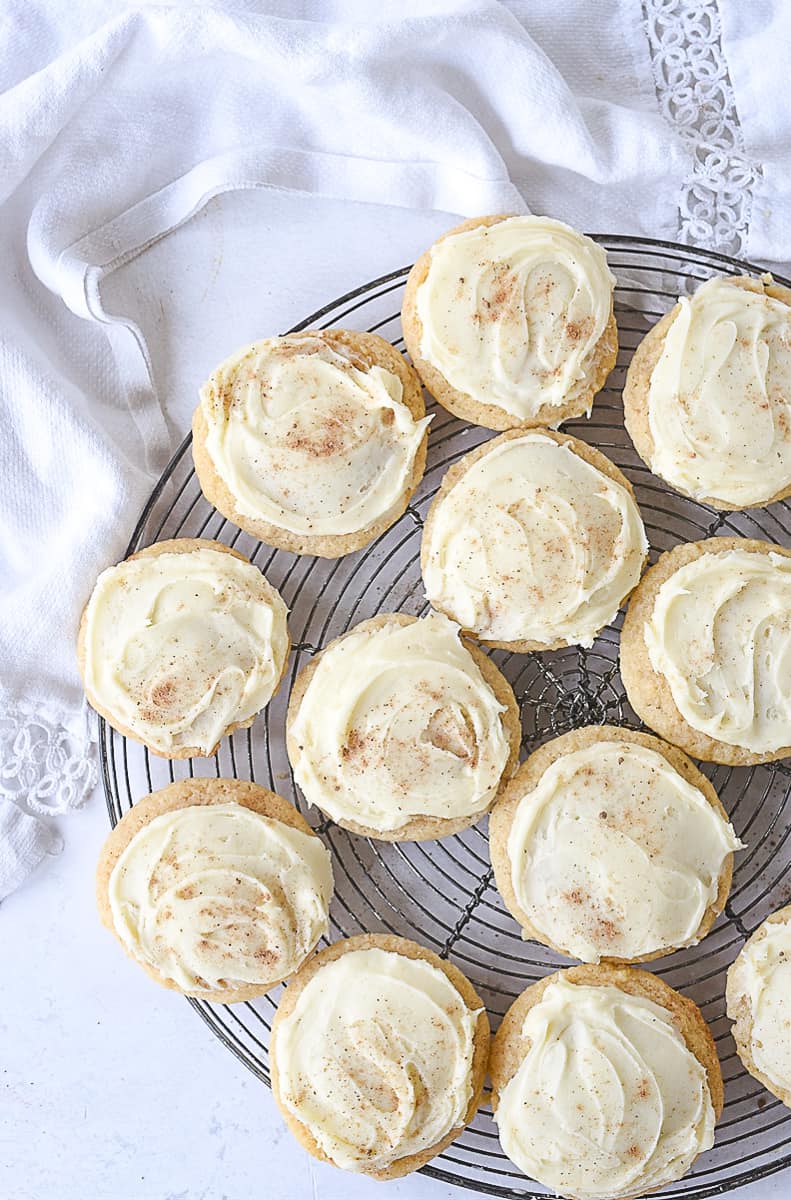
(442, 893)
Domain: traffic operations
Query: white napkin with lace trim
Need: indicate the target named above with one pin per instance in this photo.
(115, 130)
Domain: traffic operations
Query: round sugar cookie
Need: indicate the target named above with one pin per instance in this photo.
(707, 398)
(378, 1055)
(612, 1059)
(509, 321)
(313, 442)
(608, 844)
(402, 730)
(182, 643)
(759, 1003)
(702, 647)
(532, 542)
(218, 888)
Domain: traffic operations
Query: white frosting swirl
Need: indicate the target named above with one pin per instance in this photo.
(511, 313)
(308, 437)
(614, 854)
(180, 646)
(720, 634)
(398, 722)
(762, 975)
(719, 400)
(608, 1101)
(533, 543)
(376, 1058)
(218, 896)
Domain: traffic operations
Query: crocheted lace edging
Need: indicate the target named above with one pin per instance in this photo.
(44, 768)
(696, 97)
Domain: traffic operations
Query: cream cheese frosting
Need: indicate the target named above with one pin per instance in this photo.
(398, 722)
(608, 1102)
(308, 437)
(719, 399)
(762, 974)
(180, 646)
(614, 854)
(720, 634)
(511, 313)
(533, 543)
(376, 1058)
(216, 896)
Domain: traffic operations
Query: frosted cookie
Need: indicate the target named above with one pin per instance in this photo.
(401, 730)
(609, 844)
(605, 1083)
(509, 321)
(217, 887)
(181, 644)
(759, 1004)
(378, 1055)
(705, 649)
(313, 442)
(533, 541)
(707, 399)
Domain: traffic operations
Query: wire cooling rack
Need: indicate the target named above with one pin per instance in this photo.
(442, 893)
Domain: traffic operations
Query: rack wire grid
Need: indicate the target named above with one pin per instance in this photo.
(442, 893)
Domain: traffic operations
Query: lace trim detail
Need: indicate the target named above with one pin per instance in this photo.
(44, 768)
(696, 97)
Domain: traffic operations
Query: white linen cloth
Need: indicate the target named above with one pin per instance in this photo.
(116, 128)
